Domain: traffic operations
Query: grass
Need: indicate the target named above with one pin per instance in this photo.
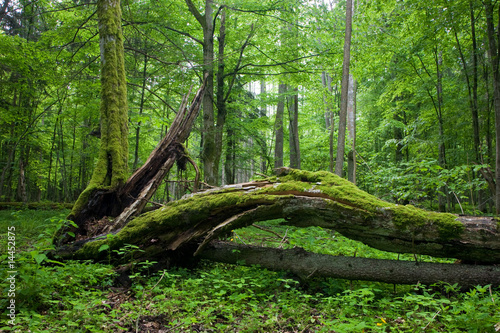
(84, 297)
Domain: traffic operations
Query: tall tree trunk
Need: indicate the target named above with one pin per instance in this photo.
(141, 110)
(22, 195)
(438, 59)
(494, 57)
(209, 145)
(220, 97)
(351, 127)
(328, 100)
(398, 136)
(210, 165)
(112, 168)
(472, 93)
(293, 129)
(339, 161)
(278, 127)
(263, 142)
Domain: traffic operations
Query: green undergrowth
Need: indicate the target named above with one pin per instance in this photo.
(77, 296)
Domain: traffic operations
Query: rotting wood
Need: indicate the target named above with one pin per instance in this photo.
(310, 264)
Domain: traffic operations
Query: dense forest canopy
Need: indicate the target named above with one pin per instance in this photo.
(425, 98)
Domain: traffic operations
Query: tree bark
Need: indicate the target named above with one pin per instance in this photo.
(263, 142)
(493, 56)
(210, 164)
(339, 161)
(351, 130)
(220, 96)
(278, 127)
(141, 109)
(293, 129)
(112, 168)
(326, 80)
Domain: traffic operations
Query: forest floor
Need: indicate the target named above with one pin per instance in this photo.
(86, 297)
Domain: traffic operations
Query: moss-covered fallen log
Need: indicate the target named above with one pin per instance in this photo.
(303, 199)
(306, 264)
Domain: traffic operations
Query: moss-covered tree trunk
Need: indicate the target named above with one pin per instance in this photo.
(111, 170)
(110, 193)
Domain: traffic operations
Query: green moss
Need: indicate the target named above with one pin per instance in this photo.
(113, 154)
(412, 218)
(345, 194)
(447, 225)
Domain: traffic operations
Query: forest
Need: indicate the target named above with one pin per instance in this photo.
(242, 166)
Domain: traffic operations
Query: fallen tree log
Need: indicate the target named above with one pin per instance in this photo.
(303, 199)
(307, 264)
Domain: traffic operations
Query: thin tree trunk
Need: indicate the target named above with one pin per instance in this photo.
(351, 127)
(141, 110)
(278, 126)
(263, 142)
(328, 100)
(229, 166)
(494, 57)
(293, 129)
(339, 161)
(22, 195)
(220, 97)
(472, 95)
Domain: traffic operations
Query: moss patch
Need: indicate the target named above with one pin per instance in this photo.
(410, 217)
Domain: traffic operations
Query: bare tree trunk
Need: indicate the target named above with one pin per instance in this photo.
(229, 166)
(141, 109)
(438, 58)
(278, 127)
(263, 113)
(493, 52)
(22, 195)
(293, 129)
(351, 127)
(326, 80)
(210, 164)
(339, 161)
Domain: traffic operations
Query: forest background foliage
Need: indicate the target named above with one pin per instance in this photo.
(425, 122)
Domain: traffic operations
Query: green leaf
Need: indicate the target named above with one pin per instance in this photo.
(103, 247)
